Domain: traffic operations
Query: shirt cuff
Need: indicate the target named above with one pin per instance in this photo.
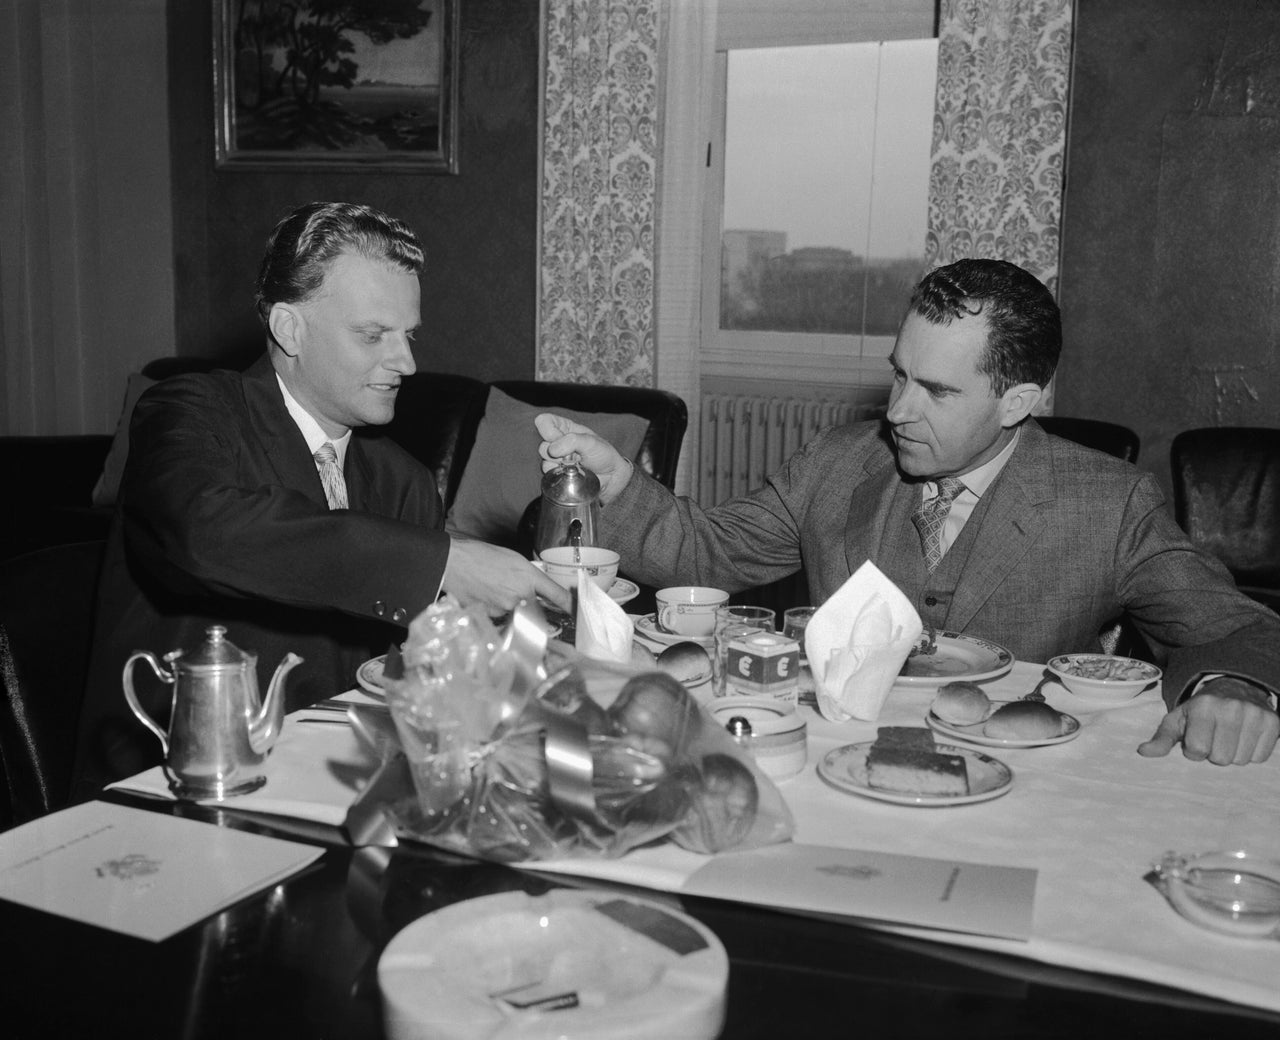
(1271, 694)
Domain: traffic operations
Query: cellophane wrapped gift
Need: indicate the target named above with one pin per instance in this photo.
(580, 758)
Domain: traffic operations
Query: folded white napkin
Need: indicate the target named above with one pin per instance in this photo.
(604, 630)
(857, 642)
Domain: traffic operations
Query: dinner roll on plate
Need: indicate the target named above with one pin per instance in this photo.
(961, 703)
(687, 661)
(1024, 720)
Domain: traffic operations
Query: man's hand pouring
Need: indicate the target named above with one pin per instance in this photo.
(562, 437)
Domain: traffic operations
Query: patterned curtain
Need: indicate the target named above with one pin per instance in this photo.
(599, 174)
(999, 132)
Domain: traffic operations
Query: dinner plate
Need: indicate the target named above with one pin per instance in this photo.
(647, 627)
(621, 591)
(845, 768)
(973, 733)
(955, 656)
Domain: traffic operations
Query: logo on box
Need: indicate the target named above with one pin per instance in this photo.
(763, 664)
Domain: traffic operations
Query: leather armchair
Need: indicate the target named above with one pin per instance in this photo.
(1110, 437)
(1226, 496)
(46, 611)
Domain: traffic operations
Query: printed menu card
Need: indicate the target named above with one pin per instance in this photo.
(913, 890)
(142, 873)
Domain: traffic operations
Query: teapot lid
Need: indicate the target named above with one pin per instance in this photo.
(571, 484)
(217, 649)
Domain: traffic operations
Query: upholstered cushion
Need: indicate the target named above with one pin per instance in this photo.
(504, 474)
(108, 486)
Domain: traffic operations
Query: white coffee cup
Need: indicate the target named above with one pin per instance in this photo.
(688, 610)
(564, 563)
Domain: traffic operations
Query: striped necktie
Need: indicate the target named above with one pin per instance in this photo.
(929, 517)
(335, 487)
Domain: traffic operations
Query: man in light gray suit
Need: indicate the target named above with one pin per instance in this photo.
(1040, 544)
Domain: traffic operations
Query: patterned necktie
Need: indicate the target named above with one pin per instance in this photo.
(335, 487)
(929, 516)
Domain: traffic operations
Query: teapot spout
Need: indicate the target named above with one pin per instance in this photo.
(266, 725)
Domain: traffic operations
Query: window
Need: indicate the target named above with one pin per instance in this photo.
(819, 205)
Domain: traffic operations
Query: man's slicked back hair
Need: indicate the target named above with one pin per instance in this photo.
(1024, 327)
(301, 247)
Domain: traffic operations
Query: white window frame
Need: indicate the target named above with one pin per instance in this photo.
(821, 357)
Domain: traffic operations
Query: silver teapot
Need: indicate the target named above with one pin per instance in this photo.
(219, 731)
(570, 508)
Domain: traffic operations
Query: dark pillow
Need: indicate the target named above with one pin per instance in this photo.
(504, 472)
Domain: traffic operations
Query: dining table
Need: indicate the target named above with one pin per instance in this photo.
(1082, 821)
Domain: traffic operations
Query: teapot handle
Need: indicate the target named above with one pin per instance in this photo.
(132, 697)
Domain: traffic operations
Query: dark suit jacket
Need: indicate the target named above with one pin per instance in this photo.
(223, 520)
(1069, 540)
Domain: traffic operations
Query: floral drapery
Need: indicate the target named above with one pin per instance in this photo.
(599, 175)
(995, 184)
(999, 134)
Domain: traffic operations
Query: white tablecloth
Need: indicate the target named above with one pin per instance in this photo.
(1090, 816)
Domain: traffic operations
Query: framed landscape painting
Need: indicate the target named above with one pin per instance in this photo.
(336, 84)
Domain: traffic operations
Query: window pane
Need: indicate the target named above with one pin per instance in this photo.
(826, 185)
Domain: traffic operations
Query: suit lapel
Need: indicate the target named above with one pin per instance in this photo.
(361, 489)
(870, 505)
(1011, 527)
(283, 445)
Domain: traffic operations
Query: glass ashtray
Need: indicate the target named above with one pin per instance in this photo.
(1234, 893)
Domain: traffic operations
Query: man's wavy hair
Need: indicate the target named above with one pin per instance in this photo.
(1024, 327)
(301, 247)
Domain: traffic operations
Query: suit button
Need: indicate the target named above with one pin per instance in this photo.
(398, 614)
(931, 601)
(379, 608)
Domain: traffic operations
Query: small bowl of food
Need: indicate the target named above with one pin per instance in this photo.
(565, 563)
(1104, 677)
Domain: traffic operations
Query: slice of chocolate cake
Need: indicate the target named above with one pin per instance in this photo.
(909, 770)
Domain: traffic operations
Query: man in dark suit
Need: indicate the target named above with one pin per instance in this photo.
(266, 501)
(1040, 544)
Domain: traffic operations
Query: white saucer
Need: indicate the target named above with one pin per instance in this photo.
(621, 591)
(647, 628)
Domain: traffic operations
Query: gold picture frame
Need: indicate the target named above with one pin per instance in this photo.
(337, 85)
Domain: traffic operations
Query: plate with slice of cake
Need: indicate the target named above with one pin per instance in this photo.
(906, 766)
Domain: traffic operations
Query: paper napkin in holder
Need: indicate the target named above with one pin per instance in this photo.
(857, 642)
(604, 631)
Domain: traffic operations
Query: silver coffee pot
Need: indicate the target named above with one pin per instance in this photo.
(219, 731)
(570, 508)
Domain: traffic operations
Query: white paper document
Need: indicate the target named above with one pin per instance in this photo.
(145, 874)
(915, 890)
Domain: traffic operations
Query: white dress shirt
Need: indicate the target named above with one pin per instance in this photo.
(976, 482)
(311, 430)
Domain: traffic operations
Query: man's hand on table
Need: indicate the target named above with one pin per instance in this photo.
(497, 578)
(1228, 721)
(561, 437)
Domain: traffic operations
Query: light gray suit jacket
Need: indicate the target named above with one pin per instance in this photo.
(1070, 540)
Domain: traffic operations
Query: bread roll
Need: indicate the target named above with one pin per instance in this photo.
(961, 703)
(1024, 720)
(687, 661)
